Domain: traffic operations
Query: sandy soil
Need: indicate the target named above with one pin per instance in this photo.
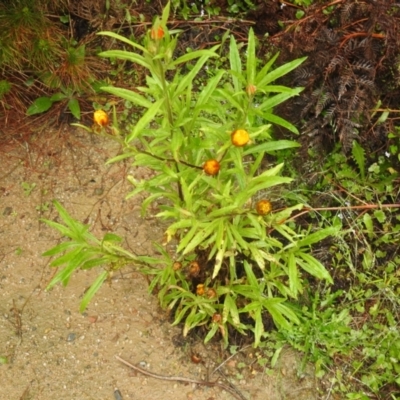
(50, 350)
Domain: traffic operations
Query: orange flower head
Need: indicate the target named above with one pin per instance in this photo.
(251, 89)
(177, 266)
(211, 167)
(211, 293)
(157, 33)
(263, 207)
(194, 268)
(200, 289)
(217, 318)
(100, 117)
(240, 137)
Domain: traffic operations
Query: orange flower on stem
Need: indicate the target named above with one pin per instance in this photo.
(157, 33)
(211, 167)
(251, 90)
(240, 137)
(263, 207)
(100, 117)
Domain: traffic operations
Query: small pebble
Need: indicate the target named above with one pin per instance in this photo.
(7, 211)
(117, 394)
(71, 337)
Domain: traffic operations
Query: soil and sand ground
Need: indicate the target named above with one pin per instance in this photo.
(49, 349)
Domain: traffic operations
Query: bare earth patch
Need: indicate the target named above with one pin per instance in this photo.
(53, 351)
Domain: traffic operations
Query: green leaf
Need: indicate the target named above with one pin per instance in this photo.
(74, 107)
(65, 231)
(112, 237)
(282, 315)
(125, 40)
(96, 285)
(64, 275)
(380, 216)
(369, 225)
(279, 72)
(145, 120)
(312, 266)
(211, 333)
(258, 327)
(251, 278)
(271, 146)
(188, 78)
(318, 236)
(230, 98)
(358, 154)
(195, 54)
(219, 258)
(279, 121)
(58, 97)
(59, 248)
(40, 105)
(165, 13)
(260, 76)
(201, 235)
(273, 101)
(129, 95)
(251, 58)
(67, 257)
(230, 308)
(235, 63)
(294, 282)
(126, 55)
(256, 255)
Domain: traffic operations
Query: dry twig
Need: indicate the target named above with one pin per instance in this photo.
(232, 390)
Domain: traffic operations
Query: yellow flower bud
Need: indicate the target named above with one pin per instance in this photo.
(100, 117)
(211, 167)
(157, 33)
(263, 207)
(240, 137)
(251, 89)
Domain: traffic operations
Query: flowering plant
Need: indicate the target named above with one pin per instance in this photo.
(235, 259)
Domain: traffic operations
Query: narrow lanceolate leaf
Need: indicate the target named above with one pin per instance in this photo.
(251, 58)
(124, 39)
(294, 283)
(281, 314)
(235, 63)
(219, 258)
(318, 236)
(271, 146)
(64, 275)
(188, 78)
(280, 71)
(126, 55)
(195, 54)
(59, 248)
(273, 101)
(278, 121)
(258, 327)
(129, 95)
(147, 117)
(96, 285)
(358, 154)
(313, 266)
(264, 71)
